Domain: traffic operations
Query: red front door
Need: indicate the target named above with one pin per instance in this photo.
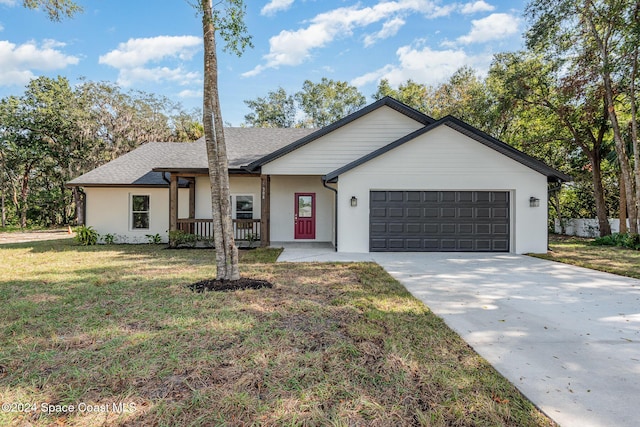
(305, 216)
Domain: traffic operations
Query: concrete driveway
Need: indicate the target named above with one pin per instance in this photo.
(567, 337)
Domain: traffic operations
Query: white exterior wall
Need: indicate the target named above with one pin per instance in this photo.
(344, 145)
(109, 211)
(444, 159)
(283, 189)
(238, 185)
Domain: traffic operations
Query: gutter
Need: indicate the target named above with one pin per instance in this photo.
(165, 179)
(335, 232)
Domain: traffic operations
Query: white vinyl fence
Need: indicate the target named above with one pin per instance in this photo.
(585, 227)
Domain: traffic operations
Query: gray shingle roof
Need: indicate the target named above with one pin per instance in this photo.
(244, 145)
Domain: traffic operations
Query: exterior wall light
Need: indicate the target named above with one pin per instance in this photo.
(354, 201)
(534, 202)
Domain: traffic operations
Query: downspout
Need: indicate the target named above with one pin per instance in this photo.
(83, 196)
(335, 212)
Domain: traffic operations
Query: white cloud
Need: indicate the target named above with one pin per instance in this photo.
(389, 29)
(8, 2)
(1, 27)
(275, 6)
(423, 65)
(132, 59)
(20, 62)
(136, 52)
(494, 27)
(129, 76)
(475, 7)
(190, 93)
(294, 47)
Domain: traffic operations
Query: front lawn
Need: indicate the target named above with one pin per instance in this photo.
(110, 335)
(579, 251)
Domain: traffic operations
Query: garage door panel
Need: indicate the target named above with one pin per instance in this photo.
(498, 197)
(439, 221)
(414, 212)
(447, 228)
(414, 228)
(396, 227)
(447, 212)
(500, 212)
(379, 227)
(396, 196)
(465, 228)
(431, 229)
(500, 229)
(431, 212)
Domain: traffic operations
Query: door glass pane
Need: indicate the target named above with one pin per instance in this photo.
(305, 206)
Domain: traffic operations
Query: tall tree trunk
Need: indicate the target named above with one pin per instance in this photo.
(605, 71)
(634, 124)
(226, 249)
(78, 199)
(3, 208)
(623, 206)
(24, 194)
(598, 194)
(623, 160)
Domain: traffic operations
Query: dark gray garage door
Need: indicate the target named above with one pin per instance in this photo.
(435, 221)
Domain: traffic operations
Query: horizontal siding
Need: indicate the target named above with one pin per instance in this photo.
(444, 160)
(444, 152)
(344, 145)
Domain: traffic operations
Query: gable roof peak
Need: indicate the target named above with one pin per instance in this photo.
(386, 101)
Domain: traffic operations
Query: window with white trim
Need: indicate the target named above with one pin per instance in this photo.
(139, 212)
(242, 206)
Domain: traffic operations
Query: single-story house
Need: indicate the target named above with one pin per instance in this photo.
(386, 178)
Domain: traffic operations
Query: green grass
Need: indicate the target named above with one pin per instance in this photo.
(329, 344)
(579, 251)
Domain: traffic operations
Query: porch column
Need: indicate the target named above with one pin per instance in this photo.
(173, 203)
(192, 198)
(265, 211)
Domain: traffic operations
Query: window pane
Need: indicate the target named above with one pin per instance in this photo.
(304, 206)
(244, 203)
(140, 203)
(244, 207)
(141, 220)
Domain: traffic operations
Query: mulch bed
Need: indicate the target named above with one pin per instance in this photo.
(228, 285)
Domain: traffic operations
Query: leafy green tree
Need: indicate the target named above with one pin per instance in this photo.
(186, 126)
(411, 93)
(596, 39)
(463, 96)
(566, 110)
(276, 110)
(42, 139)
(55, 9)
(328, 101)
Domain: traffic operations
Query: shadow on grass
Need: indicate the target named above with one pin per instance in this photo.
(330, 343)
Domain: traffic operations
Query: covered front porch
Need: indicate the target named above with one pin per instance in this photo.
(251, 227)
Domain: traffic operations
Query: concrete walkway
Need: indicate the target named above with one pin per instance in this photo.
(567, 337)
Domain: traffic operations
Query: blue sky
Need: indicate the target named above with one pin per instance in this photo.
(156, 46)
